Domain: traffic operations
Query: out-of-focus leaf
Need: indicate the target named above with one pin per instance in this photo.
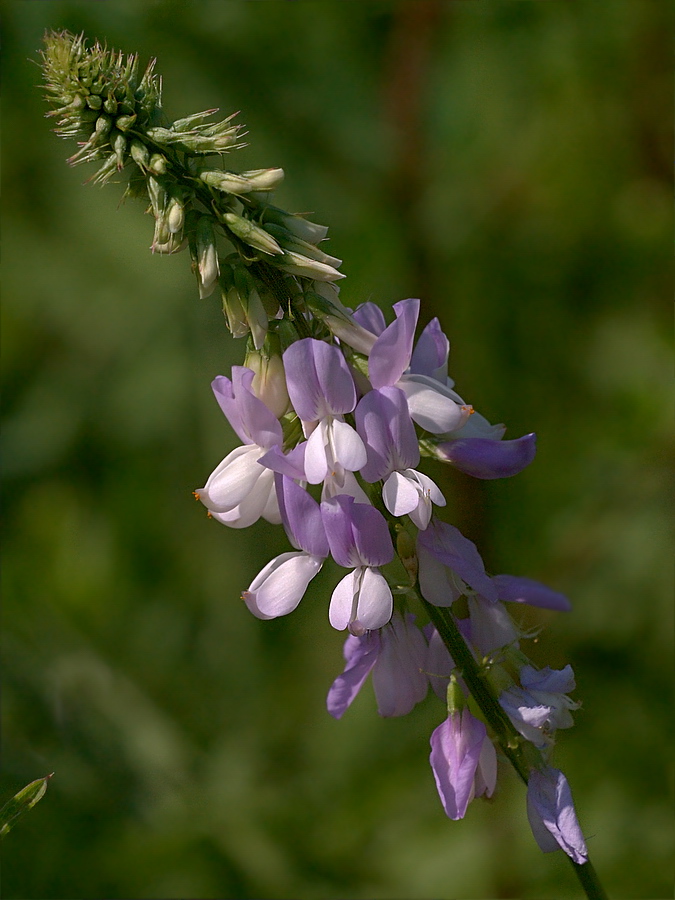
(22, 802)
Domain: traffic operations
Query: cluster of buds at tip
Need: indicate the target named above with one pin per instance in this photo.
(226, 218)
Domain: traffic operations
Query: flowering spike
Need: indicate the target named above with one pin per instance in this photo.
(335, 398)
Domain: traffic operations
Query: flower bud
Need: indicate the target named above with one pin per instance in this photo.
(229, 182)
(269, 382)
(264, 179)
(297, 225)
(139, 152)
(251, 234)
(455, 697)
(205, 257)
(157, 164)
(297, 264)
(124, 123)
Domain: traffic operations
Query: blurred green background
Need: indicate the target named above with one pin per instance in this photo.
(509, 163)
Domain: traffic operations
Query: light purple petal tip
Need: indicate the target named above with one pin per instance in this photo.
(370, 317)
(360, 655)
(484, 458)
(525, 590)
(430, 356)
(391, 352)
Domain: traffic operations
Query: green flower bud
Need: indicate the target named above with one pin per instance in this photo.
(251, 234)
(296, 225)
(455, 697)
(139, 152)
(124, 123)
(297, 264)
(228, 182)
(204, 256)
(94, 102)
(264, 179)
(158, 164)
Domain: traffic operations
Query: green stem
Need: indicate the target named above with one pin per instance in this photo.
(588, 878)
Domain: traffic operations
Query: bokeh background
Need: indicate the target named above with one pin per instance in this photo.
(509, 163)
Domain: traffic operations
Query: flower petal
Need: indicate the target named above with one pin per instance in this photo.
(347, 447)
(280, 586)
(525, 590)
(391, 352)
(370, 316)
(400, 495)
(430, 356)
(550, 810)
(375, 601)
(455, 751)
(430, 404)
(484, 458)
(302, 517)
(399, 676)
(233, 479)
(342, 608)
(361, 655)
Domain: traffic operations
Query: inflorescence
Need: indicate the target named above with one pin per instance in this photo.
(334, 408)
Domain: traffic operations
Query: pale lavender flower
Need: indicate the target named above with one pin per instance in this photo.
(359, 539)
(541, 705)
(463, 761)
(240, 490)
(384, 423)
(550, 810)
(281, 585)
(431, 404)
(322, 389)
(396, 656)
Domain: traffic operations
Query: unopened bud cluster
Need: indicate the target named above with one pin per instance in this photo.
(265, 261)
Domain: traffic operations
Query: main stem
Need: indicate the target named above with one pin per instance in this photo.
(506, 736)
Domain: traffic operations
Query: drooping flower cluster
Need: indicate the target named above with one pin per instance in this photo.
(336, 463)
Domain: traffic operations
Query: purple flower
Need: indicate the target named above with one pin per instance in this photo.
(384, 423)
(240, 490)
(487, 458)
(553, 820)
(358, 538)
(322, 389)
(449, 546)
(396, 657)
(463, 761)
(541, 705)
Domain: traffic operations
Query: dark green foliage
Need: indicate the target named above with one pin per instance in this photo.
(509, 162)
